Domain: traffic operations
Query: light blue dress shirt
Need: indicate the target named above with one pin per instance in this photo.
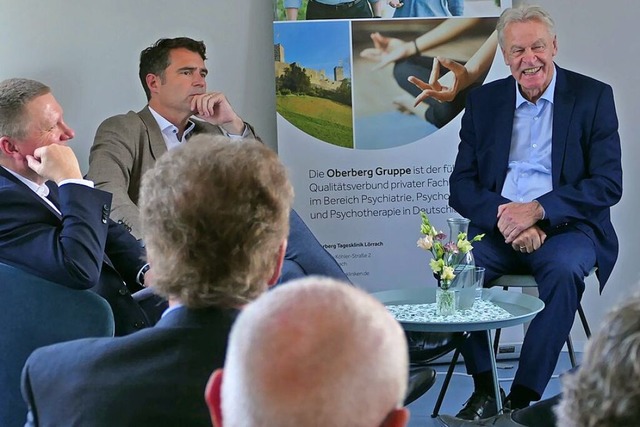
(170, 131)
(529, 170)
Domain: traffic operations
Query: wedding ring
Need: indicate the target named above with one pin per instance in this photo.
(523, 247)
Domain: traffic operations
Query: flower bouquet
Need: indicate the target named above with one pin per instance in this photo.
(446, 257)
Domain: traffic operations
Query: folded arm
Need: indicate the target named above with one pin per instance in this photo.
(68, 251)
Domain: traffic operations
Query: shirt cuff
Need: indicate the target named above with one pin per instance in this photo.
(245, 133)
(84, 182)
(544, 214)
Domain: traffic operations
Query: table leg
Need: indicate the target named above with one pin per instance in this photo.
(494, 369)
(445, 384)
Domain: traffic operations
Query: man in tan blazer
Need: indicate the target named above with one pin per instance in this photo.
(172, 73)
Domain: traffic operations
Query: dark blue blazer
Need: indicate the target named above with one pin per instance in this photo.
(81, 249)
(155, 377)
(585, 159)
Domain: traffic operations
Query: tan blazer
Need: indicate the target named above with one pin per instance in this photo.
(124, 148)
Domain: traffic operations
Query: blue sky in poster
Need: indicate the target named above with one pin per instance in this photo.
(316, 45)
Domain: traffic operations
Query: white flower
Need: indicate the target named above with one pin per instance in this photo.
(425, 243)
(447, 273)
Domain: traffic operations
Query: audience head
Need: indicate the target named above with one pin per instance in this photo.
(30, 118)
(215, 218)
(605, 391)
(528, 41)
(15, 95)
(314, 351)
(156, 58)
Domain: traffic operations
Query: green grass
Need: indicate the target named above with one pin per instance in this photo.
(322, 118)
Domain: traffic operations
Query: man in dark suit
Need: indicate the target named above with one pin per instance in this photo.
(172, 73)
(53, 223)
(537, 170)
(215, 219)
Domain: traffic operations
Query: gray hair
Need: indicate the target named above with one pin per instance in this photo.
(314, 351)
(605, 391)
(214, 213)
(524, 13)
(15, 94)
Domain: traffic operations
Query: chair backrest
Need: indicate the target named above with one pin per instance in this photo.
(522, 280)
(35, 312)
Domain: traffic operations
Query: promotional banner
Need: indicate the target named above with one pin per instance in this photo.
(364, 159)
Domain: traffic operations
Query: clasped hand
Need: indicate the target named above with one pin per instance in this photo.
(516, 222)
(213, 107)
(529, 240)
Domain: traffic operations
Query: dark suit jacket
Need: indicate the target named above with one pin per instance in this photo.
(585, 159)
(70, 249)
(124, 148)
(155, 377)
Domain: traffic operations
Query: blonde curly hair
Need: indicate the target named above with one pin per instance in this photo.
(605, 391)
(214, 214)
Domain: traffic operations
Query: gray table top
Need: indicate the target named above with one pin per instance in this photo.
(522, 307)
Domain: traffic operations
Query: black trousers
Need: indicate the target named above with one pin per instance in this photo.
(348, 10)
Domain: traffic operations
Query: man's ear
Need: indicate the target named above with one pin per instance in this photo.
(212, 396)
(153, 81)
(8, 146)
(282, 249)
(399, 417)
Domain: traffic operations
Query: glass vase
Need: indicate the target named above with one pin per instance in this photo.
(464, 264)
(446, 301)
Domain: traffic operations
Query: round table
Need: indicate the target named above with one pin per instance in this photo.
(522, 308)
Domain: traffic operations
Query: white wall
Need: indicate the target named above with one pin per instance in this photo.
(88, 53)
(600, 39)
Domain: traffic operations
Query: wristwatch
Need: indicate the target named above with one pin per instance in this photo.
(141, 273)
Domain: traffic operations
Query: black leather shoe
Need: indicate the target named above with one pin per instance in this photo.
(421, 378)
(425, 347)
(503, 420)
(480, 405)
(508, 405)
